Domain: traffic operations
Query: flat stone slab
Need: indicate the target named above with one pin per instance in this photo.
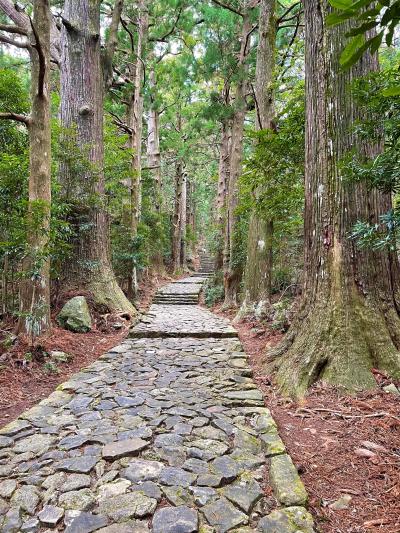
(116, 450)
(164, 433)
(175, 520)
(289, 520)
(286, 482)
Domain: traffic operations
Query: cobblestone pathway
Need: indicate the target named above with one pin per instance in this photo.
(166, 433)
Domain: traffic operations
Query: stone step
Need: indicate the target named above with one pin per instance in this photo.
(153, 334)
(176, 301)
(172, 295)
(156, 302)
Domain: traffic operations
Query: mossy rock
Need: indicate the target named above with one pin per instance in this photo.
(75, 315)
(289, 520)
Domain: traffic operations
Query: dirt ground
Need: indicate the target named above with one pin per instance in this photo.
(343, 446)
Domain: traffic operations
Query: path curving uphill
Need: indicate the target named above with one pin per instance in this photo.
(167, 432)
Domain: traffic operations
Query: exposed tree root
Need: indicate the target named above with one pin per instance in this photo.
(339, 343)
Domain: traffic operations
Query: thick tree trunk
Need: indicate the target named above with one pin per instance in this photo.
(348, 322)
(81, 172)
(258, 274)
(232, 268)
(35, 287)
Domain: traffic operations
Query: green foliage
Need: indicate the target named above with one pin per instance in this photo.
(272, 181)
(214, 290)
(366, 15)
(382, 172)
(51, 368)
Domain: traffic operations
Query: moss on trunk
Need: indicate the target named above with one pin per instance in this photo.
(338, 341)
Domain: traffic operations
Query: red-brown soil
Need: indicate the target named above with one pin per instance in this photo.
(341, 445)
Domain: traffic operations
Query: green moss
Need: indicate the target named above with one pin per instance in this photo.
(338, 342)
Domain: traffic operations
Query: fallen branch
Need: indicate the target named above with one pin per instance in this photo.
(347, 416)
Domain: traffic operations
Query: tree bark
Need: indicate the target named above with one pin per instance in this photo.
(81, 172)
(135, 122)
(348, 321)
(153, 144)
(191, 213)
(177, 218)
(232, 267)
(21, 19)
(154, 164)
(223, 179)
(258, 273)
(111, 44)
(136, 117)
(35, 286)
(183, 220)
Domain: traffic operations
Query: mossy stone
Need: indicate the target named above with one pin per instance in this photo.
(75, 315)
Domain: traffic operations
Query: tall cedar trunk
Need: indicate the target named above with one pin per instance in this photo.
(348, 322)
(35, 287)
(153, 144)
(232, 269)
(154, 163)
(223, 180)
(177, 218)
(135, 122)
(183, 219)
(191, 213)
(258, 274)
(88, 266)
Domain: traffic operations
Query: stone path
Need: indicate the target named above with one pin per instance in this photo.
(163, 434)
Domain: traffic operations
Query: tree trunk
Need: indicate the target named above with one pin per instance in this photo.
(348, 322)
(153, 144)
(35, 287)
(258, 274)
(135, 122)
(81, 172)
(177, 218)
(154, 163)
(191, 214)
(111, 45)
(232, 268)
(223, 183)
(183, 219)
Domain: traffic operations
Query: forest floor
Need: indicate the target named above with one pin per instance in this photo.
(347, 448)
(23, 383)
